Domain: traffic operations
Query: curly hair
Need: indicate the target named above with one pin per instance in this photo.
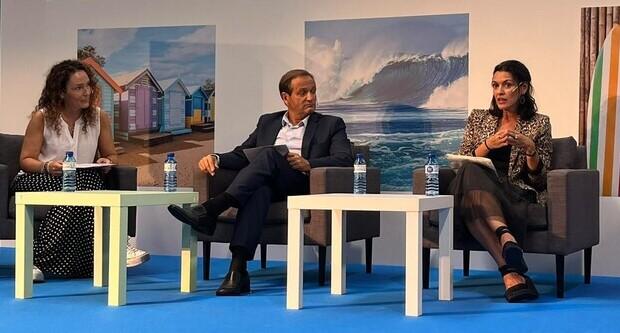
(52, 100)
(527, 106)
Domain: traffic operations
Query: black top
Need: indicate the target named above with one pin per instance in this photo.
(501, 159)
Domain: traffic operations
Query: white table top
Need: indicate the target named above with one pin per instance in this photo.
(106, 198)
(370, 202)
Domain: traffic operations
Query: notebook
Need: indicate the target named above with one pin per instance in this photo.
(458, 160)
(251, 153)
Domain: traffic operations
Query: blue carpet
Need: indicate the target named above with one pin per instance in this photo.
(373, 303)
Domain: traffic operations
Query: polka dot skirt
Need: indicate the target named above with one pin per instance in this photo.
(63, 245)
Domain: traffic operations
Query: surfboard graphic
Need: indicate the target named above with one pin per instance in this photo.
(603, 127)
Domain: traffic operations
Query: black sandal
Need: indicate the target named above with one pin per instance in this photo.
(519, 292)
(511, 251)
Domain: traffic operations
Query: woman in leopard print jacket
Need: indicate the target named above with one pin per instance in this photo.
(494, 206)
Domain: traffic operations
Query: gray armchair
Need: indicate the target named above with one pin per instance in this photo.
(317, 228)
(119, 178)
(572, 213)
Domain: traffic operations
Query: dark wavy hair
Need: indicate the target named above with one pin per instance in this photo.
(52, 100)
(527, 105)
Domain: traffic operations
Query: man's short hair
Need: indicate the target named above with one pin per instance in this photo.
(288, 77)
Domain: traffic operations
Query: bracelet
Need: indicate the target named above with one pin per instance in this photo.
(45, 167)
(485, 144)
(530, 155)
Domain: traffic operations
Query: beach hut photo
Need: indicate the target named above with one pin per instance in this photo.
(209, 114)
(195, 106)
(172, 117)
(139, 103)
(108, 88)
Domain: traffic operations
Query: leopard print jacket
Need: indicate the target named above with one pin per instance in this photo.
(481, 124)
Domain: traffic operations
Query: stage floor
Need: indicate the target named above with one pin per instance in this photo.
(373, 303)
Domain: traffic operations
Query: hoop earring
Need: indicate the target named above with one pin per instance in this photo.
(522, 99)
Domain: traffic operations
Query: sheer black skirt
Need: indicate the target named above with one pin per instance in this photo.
(474, 189)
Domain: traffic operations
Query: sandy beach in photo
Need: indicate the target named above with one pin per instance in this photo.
(188, 150)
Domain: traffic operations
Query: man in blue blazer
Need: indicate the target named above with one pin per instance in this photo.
(313, 140)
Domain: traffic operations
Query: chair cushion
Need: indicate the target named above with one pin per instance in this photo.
(537, 218)
(564, 153)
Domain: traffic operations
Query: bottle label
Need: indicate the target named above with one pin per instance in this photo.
(432, 168)
(170, 167)
(68, 166)
(359, 168)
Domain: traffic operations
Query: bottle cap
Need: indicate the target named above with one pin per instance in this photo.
(170, 154)
(69, 153)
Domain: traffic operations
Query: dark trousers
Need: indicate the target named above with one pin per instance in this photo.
(268, 178)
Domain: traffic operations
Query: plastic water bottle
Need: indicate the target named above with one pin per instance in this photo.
(359, 175)
(170, 174)
(431, 170)
(68, 173)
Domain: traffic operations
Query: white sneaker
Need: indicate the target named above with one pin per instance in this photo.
(37, 275)
(136, 256)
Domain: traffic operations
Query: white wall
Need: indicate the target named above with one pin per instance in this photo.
(257, 41)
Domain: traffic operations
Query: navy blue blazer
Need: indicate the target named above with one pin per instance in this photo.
(325, 141)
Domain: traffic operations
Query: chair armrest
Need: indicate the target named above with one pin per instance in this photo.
(121, 177)
(446, 175)
(340, 180)
(5, 184)
(573, 209)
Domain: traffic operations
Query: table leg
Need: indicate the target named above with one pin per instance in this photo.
(339, 264)
(102, 249)
(188, 257)
(117, 289)
(445, 251)
(413, 263)
(23, 251)
(295, 260)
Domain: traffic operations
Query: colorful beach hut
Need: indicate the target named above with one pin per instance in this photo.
(209, 114)
(172, 117)
(108, 88)
(195, 106)
(138, 104)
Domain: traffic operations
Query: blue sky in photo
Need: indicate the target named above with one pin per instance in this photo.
(187, 52)
(412, 34)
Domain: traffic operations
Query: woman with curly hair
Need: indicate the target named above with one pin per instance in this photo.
(66, 118)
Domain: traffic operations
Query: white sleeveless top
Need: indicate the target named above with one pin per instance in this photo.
(83, 145)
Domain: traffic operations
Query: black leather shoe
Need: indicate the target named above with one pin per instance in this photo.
(196, 217)
(235, 284)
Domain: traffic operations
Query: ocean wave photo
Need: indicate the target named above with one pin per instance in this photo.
(401, 89)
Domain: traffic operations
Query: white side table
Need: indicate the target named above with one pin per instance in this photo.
(110, 237)
(412, 205)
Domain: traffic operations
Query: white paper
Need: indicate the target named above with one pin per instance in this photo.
(458, 160)
(91, 165)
